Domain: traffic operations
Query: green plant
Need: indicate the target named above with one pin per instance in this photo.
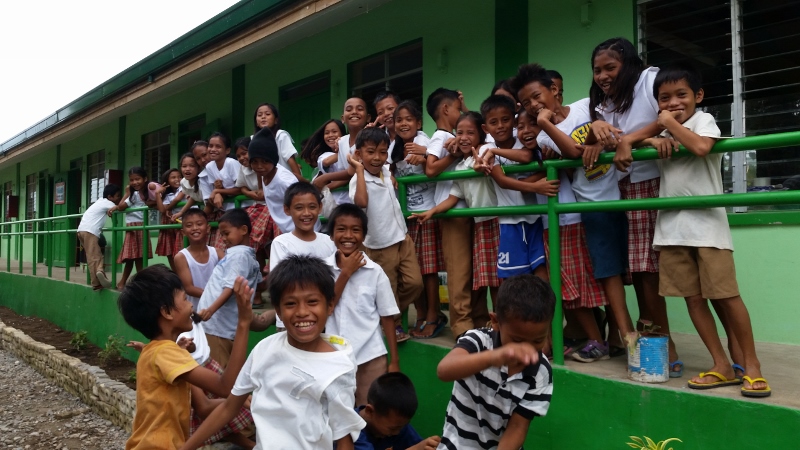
(132, 376)
(113, 349)
(79, 340)
(640, 444)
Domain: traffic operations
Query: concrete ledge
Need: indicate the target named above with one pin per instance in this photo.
(110, 399)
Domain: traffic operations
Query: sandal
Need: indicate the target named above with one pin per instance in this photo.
(675, 373)
(439, 326)
(418, 325)
(739, 368)
(758, 393)
(715, 384)
(401, 335)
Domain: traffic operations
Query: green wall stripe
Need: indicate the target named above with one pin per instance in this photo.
(510, 37)
(238, 104)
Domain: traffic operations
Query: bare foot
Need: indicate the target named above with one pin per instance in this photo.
(726, 371)
(754, 373)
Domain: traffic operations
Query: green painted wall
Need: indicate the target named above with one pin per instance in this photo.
(586, 412)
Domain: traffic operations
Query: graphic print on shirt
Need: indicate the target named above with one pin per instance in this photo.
(579, 135)
(414, 192)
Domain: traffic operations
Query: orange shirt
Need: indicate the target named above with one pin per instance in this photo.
(162, 401)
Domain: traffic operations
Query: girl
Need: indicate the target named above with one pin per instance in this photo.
(266, 116)
(136, 196)
(322, 147)
(168, 195)
(190, 184)
(222, 173)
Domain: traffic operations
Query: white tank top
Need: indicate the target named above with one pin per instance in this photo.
(200, 272)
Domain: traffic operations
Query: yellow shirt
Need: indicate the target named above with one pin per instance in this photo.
(162, 401)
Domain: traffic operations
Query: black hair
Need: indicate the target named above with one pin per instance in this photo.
(398, 152)
(371, 134)
(148, 292)
(527, 298)
(621, 94)
(190, 155)
(498, 102)
(530, 73)
(410, 106)
(348, 210)
(110, 190)
(296, 271)
(315, 144)
(274, 109)
(476, 119)
(393, 392)
(194, 212)
(198, 143)
(241, 142)
(300, 188)
(553, 74)
(681, 71)
(236, 217)
(382, 95)
(226, 141)
(165, 181)
(436, 99)
(504, 84)
(144, 192)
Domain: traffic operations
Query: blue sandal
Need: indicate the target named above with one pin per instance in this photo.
(675, 373)
(735, 368)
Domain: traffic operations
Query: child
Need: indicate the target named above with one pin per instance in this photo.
(563, 128)
(504, 380)
(388, 244)
(155, 304)
(320, 151)
(364, 304)
(385, 104)
(216, 306)
(558, 80)
(445, 106)
(89, 230)
(391, 403)
(136, 196)
(411, 144)
(222, 173)
(696, 246)
(266, 116)
(195, 263)
(168, 194)
(478, 193)
(190, 184)
(317, 412)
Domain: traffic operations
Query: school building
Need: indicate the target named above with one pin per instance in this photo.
(309, 56)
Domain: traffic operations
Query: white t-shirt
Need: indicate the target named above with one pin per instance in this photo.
(642, 112)
(420, 196)
(345, 149)
(273, 195)
(437, 149)
(565, 195)
(286, 150)
(691, 176)
(195, 193)
(135, 201)
(477, 192)
(511, 197)
(201, 351)
(169, 198)
(228, 174)
(205, 185)
(301, 400)
(366, 298)
(200, 272)
(94, 218)
(340, 196)
(249, 179)
(387, 226)
(596, 184)
(320, 166)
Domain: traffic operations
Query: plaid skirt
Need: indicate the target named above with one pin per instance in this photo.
(170, 242)
(641, 225)
(484, 254)
(264, 229)
(427, 239)
(214, 238)
(132, 245)
(242, 421)
(579, 289)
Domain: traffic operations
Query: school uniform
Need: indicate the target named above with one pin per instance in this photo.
(201, 272)
(170, 241)
(286, 150)
(89, 232)
(263, 227)
(132, 244)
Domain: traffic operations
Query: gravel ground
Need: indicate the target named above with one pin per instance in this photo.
(37, 414)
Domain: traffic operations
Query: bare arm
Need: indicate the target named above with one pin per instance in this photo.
(345, 443)
(348, 266)
(182, 269)
(295, 168)
(434, 166)
(564, 143)
(515, 433)
(539, 186)
(459, 363)
(445, 206)
(387, 323)
(361, 197)
(698, 145)
(223, 297)
(189, 203)
(215, 421)
(520, 155)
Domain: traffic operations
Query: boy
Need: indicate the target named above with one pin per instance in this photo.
(154, 303)
(696, 246)
(385, 104)
(445, 107)
(216, 307)
(391, 403)
(388, 244)
(364, 302)
(502, 367)
(195, 263)
(89, 231)
(302, 380)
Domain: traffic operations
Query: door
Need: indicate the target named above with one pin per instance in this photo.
(45, 200)
(304, 107)
(66, 200)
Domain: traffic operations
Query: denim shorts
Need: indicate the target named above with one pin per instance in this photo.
(607, 240)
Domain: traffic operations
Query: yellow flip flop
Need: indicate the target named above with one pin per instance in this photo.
(759, 393)
(721, 383)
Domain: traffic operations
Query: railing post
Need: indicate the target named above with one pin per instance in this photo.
(114, 244)
(8, 251)
(21, 240)
(145, 237)
(49, 247)
(34, 261)
(555, 271)
(68, 242)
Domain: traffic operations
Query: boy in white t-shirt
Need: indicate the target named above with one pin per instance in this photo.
(89, 232)
(387, 244)
(364, 303)
(696, 246)
(319, 410)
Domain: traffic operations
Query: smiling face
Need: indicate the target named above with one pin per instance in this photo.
(373, 156)
(468, 136)
(201, 155)
(527, 130)
(535, 96)
(304, 311)
(181, 313)
(232, 235)
(304, 212)
(195, 227)
(679, 97)
(136, 181)
(406, 125)
(217, 150)
(348, 234)
(331, 136)
(241, 156)
(355, 114)
(500, 124)
(605, 68)
(264, 117)
(385, 109)
(189, 168)
(174, 179)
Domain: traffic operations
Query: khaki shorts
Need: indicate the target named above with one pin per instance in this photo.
(690, 271)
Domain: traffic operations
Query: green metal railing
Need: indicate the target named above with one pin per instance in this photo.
(46, 227)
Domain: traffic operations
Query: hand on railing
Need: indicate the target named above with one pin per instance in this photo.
(606, 134)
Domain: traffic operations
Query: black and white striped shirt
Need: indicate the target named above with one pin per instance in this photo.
(481, 404)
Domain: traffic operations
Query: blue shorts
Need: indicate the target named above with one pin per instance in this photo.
(521, 248)
(607, 241)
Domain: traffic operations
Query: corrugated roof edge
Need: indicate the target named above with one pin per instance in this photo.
(231, 20)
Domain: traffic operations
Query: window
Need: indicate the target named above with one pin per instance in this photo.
(749, 54)
(155, 156)
(189, 131)
(398, 70)
(96, 167)
(31, 182)
(7, 192)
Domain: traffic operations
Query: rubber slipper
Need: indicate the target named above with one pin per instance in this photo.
(735, 368)
(675, 373)
(401, 335)
(722, 381)
(436, 331)
(757, 393)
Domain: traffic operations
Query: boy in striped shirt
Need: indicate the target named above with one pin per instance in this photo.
(502, 379)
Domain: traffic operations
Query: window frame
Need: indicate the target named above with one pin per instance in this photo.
(31, 200)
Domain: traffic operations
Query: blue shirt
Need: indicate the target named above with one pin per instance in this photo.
(408, 437)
